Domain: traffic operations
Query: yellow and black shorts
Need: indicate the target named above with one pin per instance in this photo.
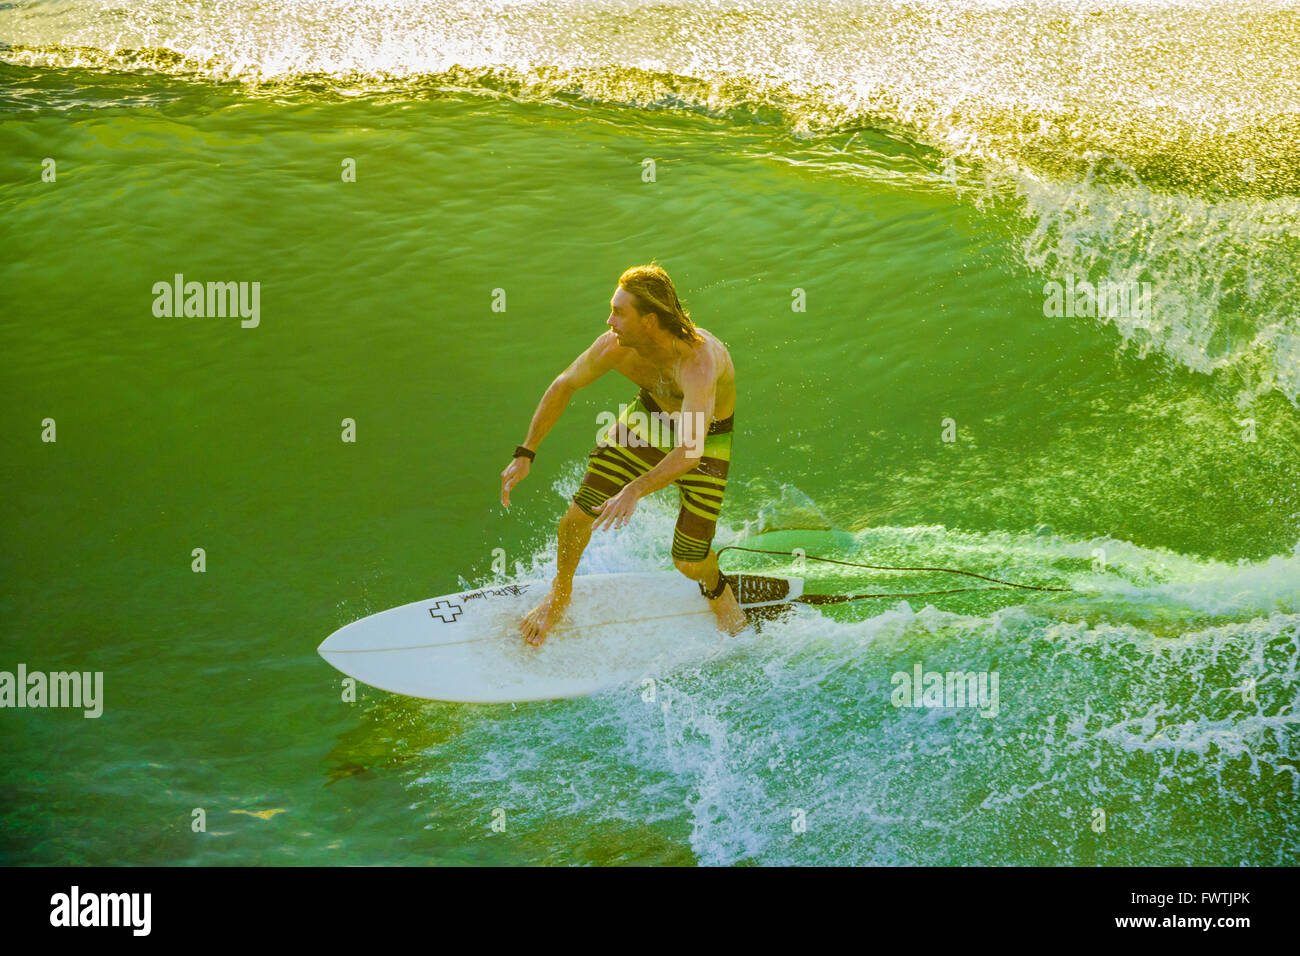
(629, 449)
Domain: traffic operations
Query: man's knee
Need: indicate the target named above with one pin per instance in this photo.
(692, 569)
(688, 549)
(576, 515)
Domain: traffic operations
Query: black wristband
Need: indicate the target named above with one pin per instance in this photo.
(522, 452)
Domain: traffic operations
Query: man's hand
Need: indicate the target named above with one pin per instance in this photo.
(515, 472)
(617, 511)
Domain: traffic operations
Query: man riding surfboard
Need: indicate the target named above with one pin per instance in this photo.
(678, 431)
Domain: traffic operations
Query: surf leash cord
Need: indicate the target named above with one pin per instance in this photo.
(843, 598)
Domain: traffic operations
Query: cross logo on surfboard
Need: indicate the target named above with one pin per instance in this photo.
(444, 608)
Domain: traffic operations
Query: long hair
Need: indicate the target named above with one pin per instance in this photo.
(653, 291)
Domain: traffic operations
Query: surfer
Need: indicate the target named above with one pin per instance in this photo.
(688, 392)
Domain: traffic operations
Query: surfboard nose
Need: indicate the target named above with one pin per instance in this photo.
(357, 635)
(350, 637)
(336, 641)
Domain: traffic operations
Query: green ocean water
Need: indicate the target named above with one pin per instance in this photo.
(920, 172)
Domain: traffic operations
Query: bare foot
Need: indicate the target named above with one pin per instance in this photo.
(539, 621)
(731, 619)
(733, 624)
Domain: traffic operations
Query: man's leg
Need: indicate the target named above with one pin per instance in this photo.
(609, 468)
(731, 618)
(701, 491)
(574, 533)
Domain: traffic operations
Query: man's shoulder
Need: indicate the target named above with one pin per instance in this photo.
(711, 339)
(712, 351)
(704, 361)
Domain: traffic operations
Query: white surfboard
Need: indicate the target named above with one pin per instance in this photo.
(618, 629)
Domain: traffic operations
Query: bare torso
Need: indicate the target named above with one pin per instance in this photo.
(662, 382)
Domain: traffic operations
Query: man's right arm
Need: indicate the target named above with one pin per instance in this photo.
(585, 369)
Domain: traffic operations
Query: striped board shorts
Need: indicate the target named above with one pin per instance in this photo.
(618, 458)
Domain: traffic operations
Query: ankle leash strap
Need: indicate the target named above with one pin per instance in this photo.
(718, 588)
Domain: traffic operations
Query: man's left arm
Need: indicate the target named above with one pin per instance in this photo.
(698, 399)
(699, 396)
